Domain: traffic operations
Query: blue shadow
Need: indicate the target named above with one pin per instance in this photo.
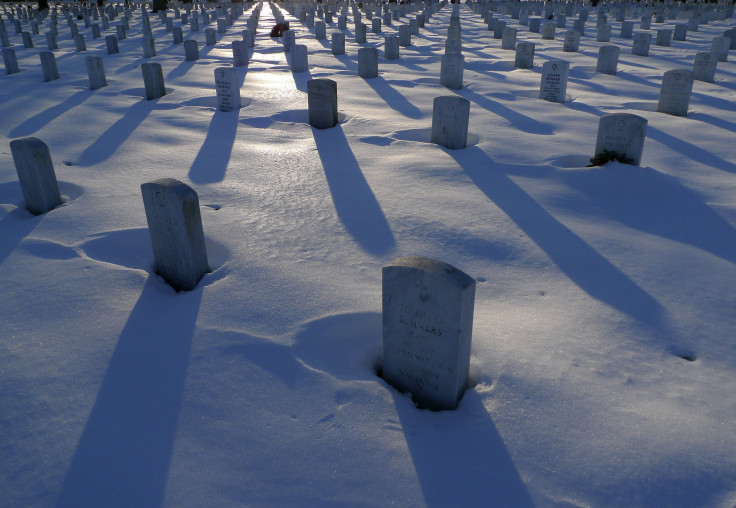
(210, 164)
(123, 456)
(356, 206)
(47, 116)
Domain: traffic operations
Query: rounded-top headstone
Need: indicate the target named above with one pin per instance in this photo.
(427, 329)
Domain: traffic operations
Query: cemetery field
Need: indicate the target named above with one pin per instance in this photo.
(603, 356)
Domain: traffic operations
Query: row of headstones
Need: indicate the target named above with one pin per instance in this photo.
(427, 304)
(123, 27)
(191, 48)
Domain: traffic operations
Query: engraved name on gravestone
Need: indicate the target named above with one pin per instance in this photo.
(622, 133)
(554, 80)
(427, 330)
(175, 227)
(674, 96)
(704, 66)
(36, 175)
(524, 55)
(228, 91)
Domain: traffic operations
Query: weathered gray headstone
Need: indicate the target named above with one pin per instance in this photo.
(646, 22)
(451, 70)
(498, 31)
(404, 36)
(48, 66)
(338, 43)
(427, 330)
(320, 30)
(524, 55)
(360, 33)
(36, 174)
(391, 47)
(704, 66)
(508, 38)
(450, 117)
(607, 59)
(149, 47)
(240, 53)
(96, 72)
(548, 31)
(177, 35)
(674, 96)
(299, 58)
(175, 227)
(664, 37)
(10, 61)
(191, 50)
(554, 80)
(367, 62)
(322, 102)
(623, 134)
(680, 33)
(153, 79)
(120, 32)
(604, 33)
(571, 43)
(228, 88)
(627, 29)
(111, 42)
(719, 47)
(27, 39)
(641, 44)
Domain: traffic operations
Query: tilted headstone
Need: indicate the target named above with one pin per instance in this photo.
(607, 59)
(427, 330)
(191, 50)
(175, 227)
(623, 134)
(322, 102)
(338, 43)
(368, 62)
(10, 61)
(674, 96)
(153, 79)
(96, 72)
(451, 70)
(704, 66)
(228, 88)
(48, 66)
(571, 43)
(299, 58)
(524, 55)
(450, 117)
(554, 80)
(36, 175)
(641, 44)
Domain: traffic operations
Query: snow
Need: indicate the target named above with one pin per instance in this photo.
(259, 387)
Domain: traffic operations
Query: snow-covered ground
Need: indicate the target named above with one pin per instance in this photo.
(259, 387)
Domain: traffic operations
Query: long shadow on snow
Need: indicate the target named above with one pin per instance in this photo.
(211, 162)
(113, 138)
(521, 122)
(124, 453)
(593, 273)
(393, 98)
(460, 457)
(14, 227)
(650, 201)
(355, 204)
(47, 116)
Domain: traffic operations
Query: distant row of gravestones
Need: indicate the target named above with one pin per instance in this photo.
(427, 305)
